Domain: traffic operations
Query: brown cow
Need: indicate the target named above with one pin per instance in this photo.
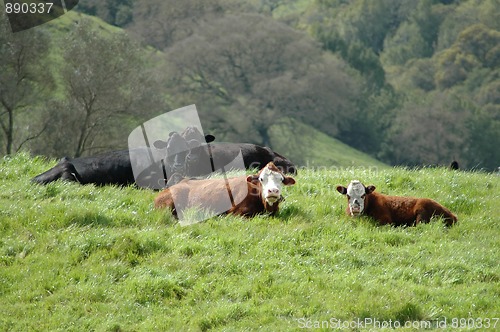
(394, 210)
(244, 195)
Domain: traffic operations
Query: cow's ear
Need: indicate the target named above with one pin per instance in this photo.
(193, 144)
(288, 181)
(370, 189)
(342, 190)
(253, 178)
(159, 144)
(209, 138)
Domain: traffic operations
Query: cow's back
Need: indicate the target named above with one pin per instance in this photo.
(234, 195)
(112, 167)
(400, 210)
(254, 156)
(107, 168)
(427, 208)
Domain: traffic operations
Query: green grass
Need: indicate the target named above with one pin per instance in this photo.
(79, 258)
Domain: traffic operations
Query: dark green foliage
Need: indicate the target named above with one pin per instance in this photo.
(115, 12)
(250, 80)
(427, 46)
(484, 129)
(475, 47)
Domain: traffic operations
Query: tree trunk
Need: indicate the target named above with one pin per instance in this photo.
(10, 131)
(264, 134)
(9, 128)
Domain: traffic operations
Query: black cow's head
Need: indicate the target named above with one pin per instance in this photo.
(180, 152)
(176, 149)
(196, 143)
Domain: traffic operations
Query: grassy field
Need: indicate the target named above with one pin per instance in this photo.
(80, 258)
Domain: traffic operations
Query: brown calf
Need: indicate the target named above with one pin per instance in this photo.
(244, 195)
(394, 210)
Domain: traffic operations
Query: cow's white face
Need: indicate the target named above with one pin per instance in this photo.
(272, 181)
(271, 185)
(356, 194)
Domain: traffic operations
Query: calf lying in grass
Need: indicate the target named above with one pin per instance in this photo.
(244, 195)
(394, 210)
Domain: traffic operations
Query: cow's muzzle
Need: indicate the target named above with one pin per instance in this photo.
(355, 210)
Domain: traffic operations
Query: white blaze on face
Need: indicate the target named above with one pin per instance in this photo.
(272, 182)
(356, 195)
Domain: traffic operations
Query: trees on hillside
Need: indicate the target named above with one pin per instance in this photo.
(414, 38)
(425, 131)
(388, 77)
(438, 61)
(23, 81)
(357, 32)
(256, 76)
(162, 23)
(483, 135)
(116, 12)
(106, 82)
(476, 47)
(464, 14)
(103, 89)
(467, 71)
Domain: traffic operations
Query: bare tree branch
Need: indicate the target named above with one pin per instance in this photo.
(37, 135)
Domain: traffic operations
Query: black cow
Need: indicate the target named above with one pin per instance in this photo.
(206, 158)
(182, 155)
(254, 156)
(107, 168)
(171, 162)
(115, 167)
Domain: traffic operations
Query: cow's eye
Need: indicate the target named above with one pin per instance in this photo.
(363, 196)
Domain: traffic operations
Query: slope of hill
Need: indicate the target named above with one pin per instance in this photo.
(63, 23)
(57, 30)
(306, 146)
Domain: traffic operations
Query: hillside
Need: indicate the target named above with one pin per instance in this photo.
(58, 29)
(407, 82)
(64, 24)
(309, 147)
(85, 258)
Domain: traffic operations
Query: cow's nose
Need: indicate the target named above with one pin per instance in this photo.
(273, 191)
(178, 167)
